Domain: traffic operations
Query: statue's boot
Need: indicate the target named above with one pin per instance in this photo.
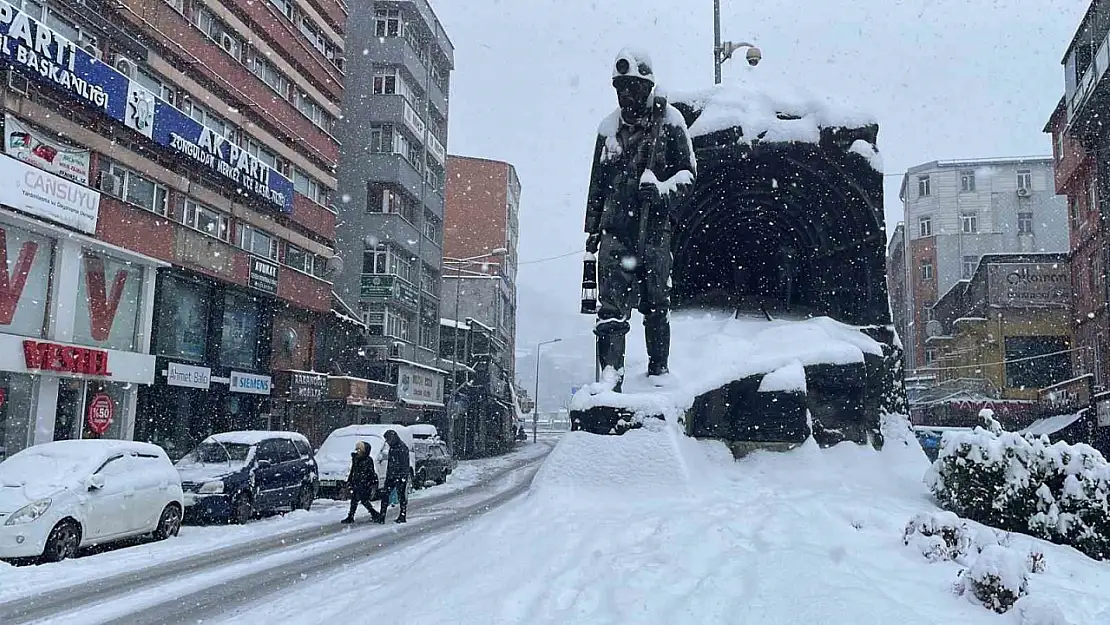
(610, 354)
(657, 331)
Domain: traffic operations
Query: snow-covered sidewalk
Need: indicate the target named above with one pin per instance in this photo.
(16, 582)
(652, 527)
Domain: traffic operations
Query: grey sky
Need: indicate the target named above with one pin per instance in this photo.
(945, 78)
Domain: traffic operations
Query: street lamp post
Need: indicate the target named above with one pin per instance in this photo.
(536, 398)
(723, 51)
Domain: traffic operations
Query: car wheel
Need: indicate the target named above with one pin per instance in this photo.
(420, 480)
(170, 522)
(305, 497)
(242, 510)
(442, 479)
(63, 542)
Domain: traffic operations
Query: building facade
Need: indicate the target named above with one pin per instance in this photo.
(203, 136)
(392, 173)
(896, 280)
(957, 211)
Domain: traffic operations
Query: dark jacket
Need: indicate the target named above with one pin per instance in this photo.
(398, 464)
(363, 478)
(620, 158)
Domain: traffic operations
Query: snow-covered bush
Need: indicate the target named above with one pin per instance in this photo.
(997, 579)
(938, 536)
(1017, 483)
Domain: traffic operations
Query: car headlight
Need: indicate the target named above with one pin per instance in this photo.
(212, 488)
(29, 513)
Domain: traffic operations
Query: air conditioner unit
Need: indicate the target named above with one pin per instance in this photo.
(1023, 192)
(18, 82)
(125, 66)
(93, 50)
(227, 42)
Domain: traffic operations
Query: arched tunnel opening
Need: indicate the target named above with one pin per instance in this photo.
(790, 227)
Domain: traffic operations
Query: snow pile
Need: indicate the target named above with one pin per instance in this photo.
(769, 110)
(711, 349)
(791, 377)
(1021, 483)
(640, 459)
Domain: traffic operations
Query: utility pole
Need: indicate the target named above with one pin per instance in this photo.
(716, 42)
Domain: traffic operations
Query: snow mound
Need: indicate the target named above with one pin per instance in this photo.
(997, 579)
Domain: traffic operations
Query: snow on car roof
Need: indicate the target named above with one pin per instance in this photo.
(370, 429)
(89, 447)
(253, 437)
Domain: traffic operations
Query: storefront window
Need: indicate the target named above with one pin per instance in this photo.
(109, 302)
(182, 320)
(17, 400)
(25, 264)
(239, 347)
(90, 409)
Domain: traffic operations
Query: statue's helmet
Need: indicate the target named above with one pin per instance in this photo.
(633, 63)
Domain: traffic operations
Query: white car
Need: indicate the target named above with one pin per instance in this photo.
(334, 455)
(58, 497)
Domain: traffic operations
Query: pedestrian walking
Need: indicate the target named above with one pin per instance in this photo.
(362, 482)
(396, 476)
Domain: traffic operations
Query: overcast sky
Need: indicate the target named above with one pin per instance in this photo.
(945, 78)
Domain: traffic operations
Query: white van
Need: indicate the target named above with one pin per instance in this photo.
(334, 455)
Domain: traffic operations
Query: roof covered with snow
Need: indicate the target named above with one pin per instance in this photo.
(253, 437)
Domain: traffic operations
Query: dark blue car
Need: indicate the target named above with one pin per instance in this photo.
(235, 476)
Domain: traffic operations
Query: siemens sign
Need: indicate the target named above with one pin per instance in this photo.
(36, 50)
(249, 383)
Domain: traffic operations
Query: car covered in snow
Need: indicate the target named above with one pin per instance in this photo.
(433, 462)
(334, 455)
(423, 431)
(234, 476)
(58, 497)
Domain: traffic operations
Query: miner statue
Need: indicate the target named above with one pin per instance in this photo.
(643, 168)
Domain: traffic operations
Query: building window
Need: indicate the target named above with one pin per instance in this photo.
(967, 182)
(381, 138)
(376, 260)
(1059, 145)
(431, 228)
(258, 242)
(1025, 179)
(209, 119)
(265, 70)
(385, 82)
(384, 199)
(925, 226)
(299, 259)
(313, 111)
(969, 265)
(109, 302)
(387, 23)
(239, 340)
(1025, 223)
(969, 223)
(430, 282)
(930, 355)
(428, 335)
(217, 31)
(284, 6)
(182, 319)
(923, 186)
(206, 220)
(157, 86)
(1073, 208)
(309, 187)
(132, 188)
(926, 270)
(256, 150)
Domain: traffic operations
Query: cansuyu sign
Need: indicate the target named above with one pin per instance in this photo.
(53, 60)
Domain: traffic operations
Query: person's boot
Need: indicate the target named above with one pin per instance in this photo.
(610, 354)
(401, 519)
(348, 520)
(657, 332)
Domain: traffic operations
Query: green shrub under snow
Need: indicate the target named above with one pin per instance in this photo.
(1055, 491)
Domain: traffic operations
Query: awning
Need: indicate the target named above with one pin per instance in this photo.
(1052, 425)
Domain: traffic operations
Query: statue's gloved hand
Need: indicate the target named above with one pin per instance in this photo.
(649, 193)
(593, 242)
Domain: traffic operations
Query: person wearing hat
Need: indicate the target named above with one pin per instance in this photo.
(643, 168)
(362, 481)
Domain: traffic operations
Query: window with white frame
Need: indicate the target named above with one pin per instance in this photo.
(207, 220)
(178, 5)
(1025, 223)
(397, 326)
(429, 335)
(256, 150)
(967, 181)
(1025, 179)
(258, 65)
(1092, 197)
(930, 355)
(431, 227)
(309, 187)
(1059, 145)
(376, 260)
(969, 265)
(969, 223)
(157, 86)
(299, 259)
(387, 23)
(925, 226)
(926, 270)
(389, 81)
(132, 187)
(381, 138)
(209, 119)
(258, 242)
(219, 32)
(285, 7)
(923, 186)
(313, 111)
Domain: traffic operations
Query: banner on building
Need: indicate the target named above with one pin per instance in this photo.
(1018, 285)
(37, 51)
(45, 195)
(29, 146)
(415, 384)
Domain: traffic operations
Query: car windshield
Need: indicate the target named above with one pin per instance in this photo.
(40, 467)
(213, 452)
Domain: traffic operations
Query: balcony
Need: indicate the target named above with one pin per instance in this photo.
(397, 52)
(392, 227)
(393, 168)
(1087, 90)
(431, 22)
(388, 289)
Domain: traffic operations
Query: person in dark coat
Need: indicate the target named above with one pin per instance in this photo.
(396, 476)
(643, 169)
(362, 481)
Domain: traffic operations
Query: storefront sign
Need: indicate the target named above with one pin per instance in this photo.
(29, 146)
(45, 195)
(43, 356)
(415, 384)
(373, 286)
(53, 60)
(188, 375)
(1028, 284)
(305, 386)
(263, 275)
(249, 383)
(101, 412)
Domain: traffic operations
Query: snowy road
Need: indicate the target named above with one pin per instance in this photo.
(209, 584)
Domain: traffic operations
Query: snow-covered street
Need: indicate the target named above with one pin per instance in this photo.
(652, 527)
(123, 581)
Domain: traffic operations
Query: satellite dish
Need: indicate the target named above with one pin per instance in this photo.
(933, 328)
(333, 266)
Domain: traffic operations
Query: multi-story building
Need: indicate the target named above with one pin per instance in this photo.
(169, 211)
(958, 211)
(391, 176)
(896, 279)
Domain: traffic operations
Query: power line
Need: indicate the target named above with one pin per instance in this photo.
(544, 260)
(1004, 362)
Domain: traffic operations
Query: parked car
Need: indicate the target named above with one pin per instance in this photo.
(433, 462)
(235, 476)
(58, 497)
(423, 431)
(931, 437)
(334, 455)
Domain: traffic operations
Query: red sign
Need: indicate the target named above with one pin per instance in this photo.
(39, 355)
(101, 411)
(102, 305)
(11, 284)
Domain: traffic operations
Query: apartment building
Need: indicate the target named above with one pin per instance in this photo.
(170, 209)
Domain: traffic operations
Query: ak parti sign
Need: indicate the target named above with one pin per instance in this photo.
(44, 356)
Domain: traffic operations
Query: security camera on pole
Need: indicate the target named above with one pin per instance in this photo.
(723, 51)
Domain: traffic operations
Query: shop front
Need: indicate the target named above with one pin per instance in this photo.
(75, 319)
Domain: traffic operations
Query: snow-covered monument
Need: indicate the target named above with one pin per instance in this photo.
(782, 323)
